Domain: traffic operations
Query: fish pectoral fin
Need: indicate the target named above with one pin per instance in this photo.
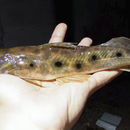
(35, 82)
(59, 81)
(42, 83)
(74, 78)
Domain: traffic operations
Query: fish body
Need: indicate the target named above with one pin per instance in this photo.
(56, 60)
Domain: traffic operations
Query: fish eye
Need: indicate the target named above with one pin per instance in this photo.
(58, 64)
(31, 65)
(118, 54)
(78, 65)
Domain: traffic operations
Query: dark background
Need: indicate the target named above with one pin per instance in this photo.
(32, 22)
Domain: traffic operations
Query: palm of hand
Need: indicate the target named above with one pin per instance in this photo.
(26, 106)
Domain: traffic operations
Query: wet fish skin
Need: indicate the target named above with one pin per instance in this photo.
(51, 61)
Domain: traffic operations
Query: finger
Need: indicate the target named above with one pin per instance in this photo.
(58, 33)
(85, 42)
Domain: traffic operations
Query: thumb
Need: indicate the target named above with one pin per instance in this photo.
(99, 79)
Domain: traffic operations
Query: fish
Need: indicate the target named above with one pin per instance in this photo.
(53, 61)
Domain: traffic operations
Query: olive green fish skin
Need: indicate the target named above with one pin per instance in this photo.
(50, 61)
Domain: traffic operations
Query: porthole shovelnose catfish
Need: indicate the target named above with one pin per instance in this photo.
(50, 62)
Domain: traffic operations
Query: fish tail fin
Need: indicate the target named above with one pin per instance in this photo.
(119, 41)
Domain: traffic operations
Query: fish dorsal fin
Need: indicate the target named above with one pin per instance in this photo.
(63, 45)
(119, 41)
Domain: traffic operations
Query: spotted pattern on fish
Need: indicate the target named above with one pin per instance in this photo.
(51, 61)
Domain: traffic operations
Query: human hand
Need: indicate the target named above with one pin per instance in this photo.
(24, 106)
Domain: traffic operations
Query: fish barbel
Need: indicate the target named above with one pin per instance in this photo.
(56, 60)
